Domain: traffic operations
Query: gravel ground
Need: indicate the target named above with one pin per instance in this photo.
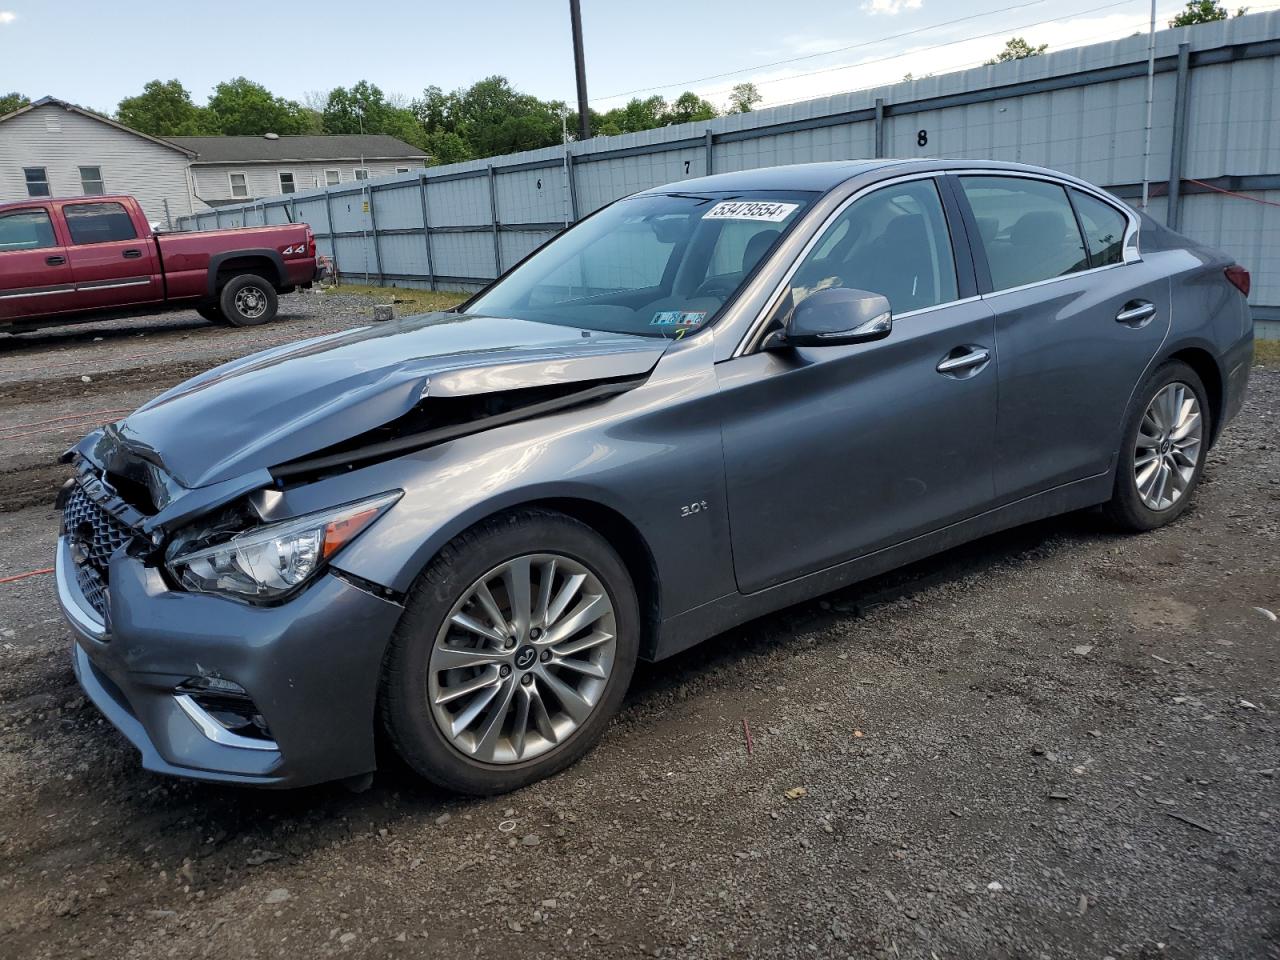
(1054, 743)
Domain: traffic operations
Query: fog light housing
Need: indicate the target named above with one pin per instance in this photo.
(227, 704)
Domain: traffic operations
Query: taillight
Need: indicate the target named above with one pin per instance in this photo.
(311, 248)
(1239, 278)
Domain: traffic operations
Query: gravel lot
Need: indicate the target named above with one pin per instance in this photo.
(1054, 743)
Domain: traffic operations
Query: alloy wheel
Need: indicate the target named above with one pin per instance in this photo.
(523, 659)
(1167, 448)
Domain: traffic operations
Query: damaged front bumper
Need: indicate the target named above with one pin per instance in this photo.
(309, 666)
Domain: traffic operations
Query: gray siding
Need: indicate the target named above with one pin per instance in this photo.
(62, 142)
(212, 181)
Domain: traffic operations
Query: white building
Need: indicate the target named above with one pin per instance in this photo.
(236, 169)
(51, 148)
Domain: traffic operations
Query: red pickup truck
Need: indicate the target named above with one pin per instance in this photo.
(87, 258)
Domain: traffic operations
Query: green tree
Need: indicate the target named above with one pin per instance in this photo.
(1203, 11)
(489, 117)
(1017, 49)
(689, 107)
(366, 109)
(10, 102)
(243, 107)
(445, 146)
(744, 97)
(163, 109)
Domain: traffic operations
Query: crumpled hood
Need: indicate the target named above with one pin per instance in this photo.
(284, 403)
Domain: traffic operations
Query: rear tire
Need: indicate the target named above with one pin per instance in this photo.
(543, 686)
(248, 300)
(1162, 450)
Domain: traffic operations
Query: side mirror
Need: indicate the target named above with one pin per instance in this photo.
(838, 316)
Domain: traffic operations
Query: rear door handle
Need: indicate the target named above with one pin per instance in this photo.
(55, 260)
(1136, 313)
(132, 254)
(957, 365)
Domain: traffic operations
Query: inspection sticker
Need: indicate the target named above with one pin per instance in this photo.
(770, 211)
(677, 318)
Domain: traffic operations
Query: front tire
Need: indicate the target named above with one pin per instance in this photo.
(1162, 451)
(515, 649)
(248, 300)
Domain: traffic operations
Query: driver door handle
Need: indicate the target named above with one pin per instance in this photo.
(1136, 313)
(976, 357)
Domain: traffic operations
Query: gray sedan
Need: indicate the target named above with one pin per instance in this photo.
(700, 404)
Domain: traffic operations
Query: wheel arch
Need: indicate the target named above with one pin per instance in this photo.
(264, 262)
(1203, 362)
(609, 523)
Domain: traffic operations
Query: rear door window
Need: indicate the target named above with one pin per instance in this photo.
(26, 230)
(1104, 228)
(1027, 229)
(98, 222)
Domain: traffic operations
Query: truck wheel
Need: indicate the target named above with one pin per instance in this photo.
(247, 300)
(214, 315)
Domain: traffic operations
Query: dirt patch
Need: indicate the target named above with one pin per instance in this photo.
(29, 486)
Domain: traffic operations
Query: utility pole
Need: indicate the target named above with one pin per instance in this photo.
(1151, 89)
(580, 68)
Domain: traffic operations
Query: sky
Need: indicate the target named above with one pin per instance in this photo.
(95, 52)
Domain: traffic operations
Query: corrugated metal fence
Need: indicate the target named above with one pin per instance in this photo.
(1214, 139)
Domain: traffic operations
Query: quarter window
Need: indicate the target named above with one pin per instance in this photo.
(91, 181)
(893, 242)
(37, 181)
(1027, 229)
(286, 182)
(26, 230)
(239, 184)
(98, 222)
(1104, 228)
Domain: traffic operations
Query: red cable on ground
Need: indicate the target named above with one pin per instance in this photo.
(23, 576)
(1232, 193)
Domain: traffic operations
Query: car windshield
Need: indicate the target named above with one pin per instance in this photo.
(657, 265)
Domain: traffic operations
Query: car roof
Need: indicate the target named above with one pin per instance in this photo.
(822, 177)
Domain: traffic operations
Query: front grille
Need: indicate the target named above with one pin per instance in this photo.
(98, 535)
(94, 587)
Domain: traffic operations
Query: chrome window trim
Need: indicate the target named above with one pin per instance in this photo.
(1131, 252)
(1041, 283)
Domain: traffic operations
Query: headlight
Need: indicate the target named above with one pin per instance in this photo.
(272, 560)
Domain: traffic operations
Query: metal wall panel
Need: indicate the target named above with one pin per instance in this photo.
(533, 196)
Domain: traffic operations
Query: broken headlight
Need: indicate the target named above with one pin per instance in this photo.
(267, 562)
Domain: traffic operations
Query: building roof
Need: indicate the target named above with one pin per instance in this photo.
(353, 146)
(71, 107)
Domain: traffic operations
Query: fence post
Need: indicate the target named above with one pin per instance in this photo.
(217, 218)
(573, 183)
(373, 223)
(710, 151)
(333, 234)
(1173, 200)
(426, 227)
(879, 131)
(493, 213)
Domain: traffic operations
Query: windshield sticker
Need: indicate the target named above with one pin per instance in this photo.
(678, 318)
(770, 211)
